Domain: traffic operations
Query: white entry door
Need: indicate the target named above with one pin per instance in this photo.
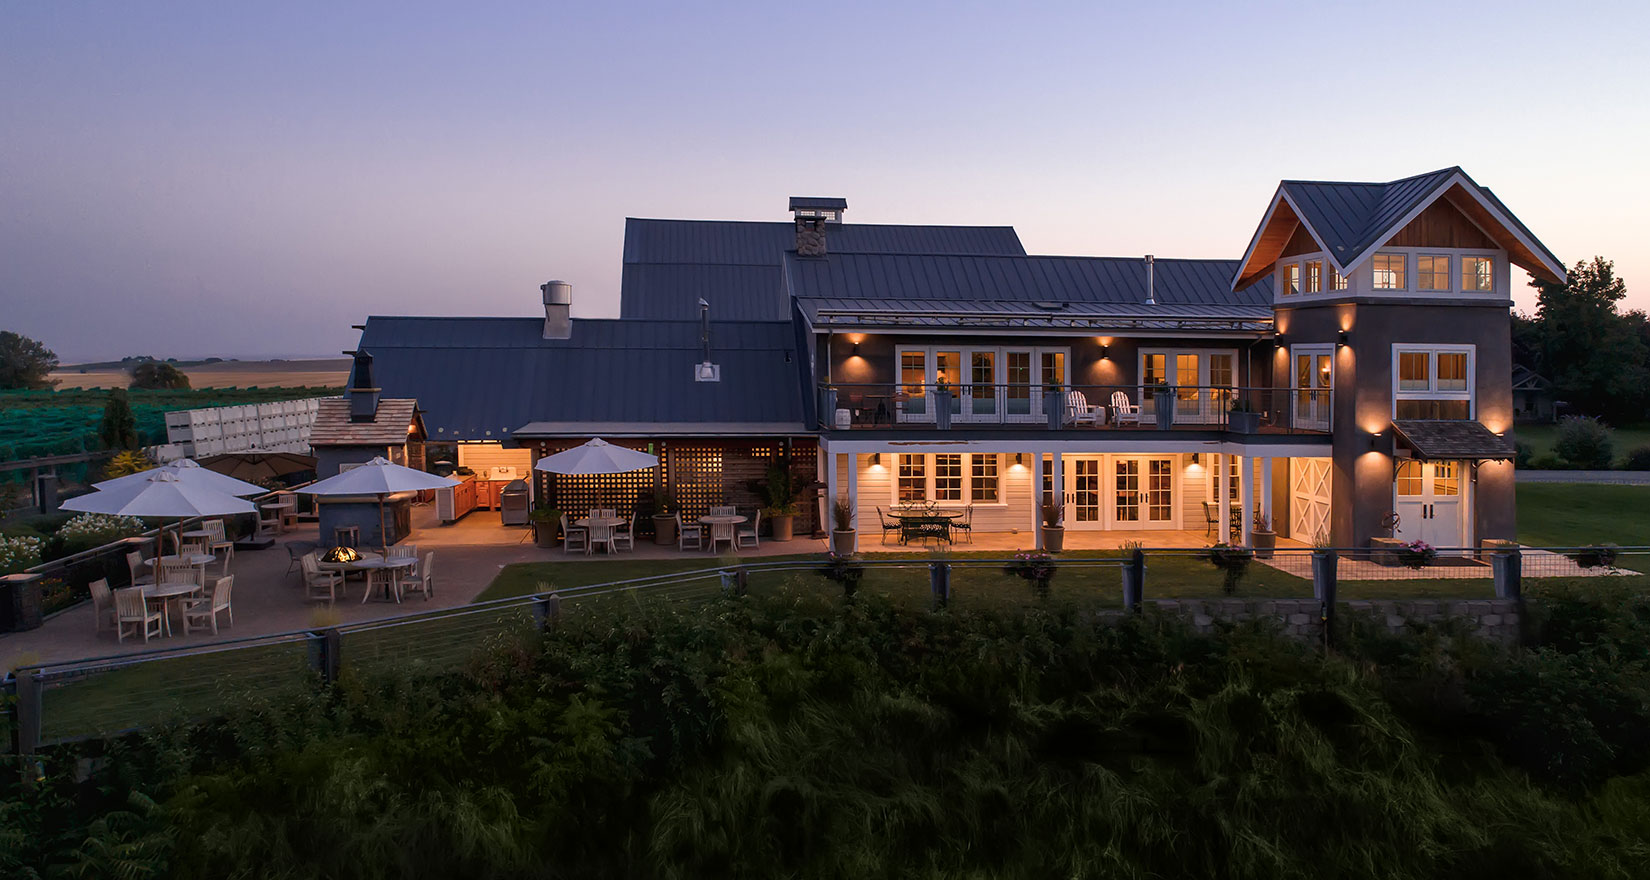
(1142, 492)
(1427, 498)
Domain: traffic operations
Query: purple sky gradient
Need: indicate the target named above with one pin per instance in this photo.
(237, 179)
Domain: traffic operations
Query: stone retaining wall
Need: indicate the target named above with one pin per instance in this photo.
(1493, 619)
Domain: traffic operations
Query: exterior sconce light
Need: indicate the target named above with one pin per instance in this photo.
(1341, 340)
(856, 349)
(1194, 458)
(1019, 458)
(876, 459)
(1105, 352)
(1375, 439)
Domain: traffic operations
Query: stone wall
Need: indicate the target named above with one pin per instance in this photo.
(1496, 620)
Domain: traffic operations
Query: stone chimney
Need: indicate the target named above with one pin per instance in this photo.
(812, 215)
(810, 236)
(363, 394)
(558, 309)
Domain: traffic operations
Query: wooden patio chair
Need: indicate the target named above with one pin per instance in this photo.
(132, 610)
(421, 578)
(219, 544)
(204, 611)
(103, 604)
(689, 533)
(1079, 412)
(574, 538)
(723, 510)
(141, 575)
(1123, 411)
(744, 533)
(721, 531)
(600, 534)
(319, 584)
(625, 533)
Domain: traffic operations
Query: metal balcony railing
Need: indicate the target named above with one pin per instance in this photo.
(847, 407)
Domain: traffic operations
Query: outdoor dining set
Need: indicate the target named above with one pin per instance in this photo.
(921, 521)
(604, 528)
(180, 584)
(392, 574)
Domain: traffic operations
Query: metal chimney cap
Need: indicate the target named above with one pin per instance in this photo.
(557, 293)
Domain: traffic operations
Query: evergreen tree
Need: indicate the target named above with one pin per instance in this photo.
(1597, 358)
(119, 427)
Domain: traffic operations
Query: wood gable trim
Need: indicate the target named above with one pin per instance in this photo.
(1442, 225)
(1277, 229)
(1301, 242)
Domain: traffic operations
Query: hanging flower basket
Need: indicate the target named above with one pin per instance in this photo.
(845, 570)
(1417, 554)
(1036, 568)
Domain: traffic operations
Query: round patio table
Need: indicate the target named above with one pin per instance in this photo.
(168, 595)
(198, 561)
(721, 519)
(381, 572)
(610, 522)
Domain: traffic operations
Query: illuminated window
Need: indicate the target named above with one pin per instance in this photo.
(1389, 272)
(1433, 382)
(1414, 371)
(913, 478)
(948, 477)
(984, 484)
(1452, 371)
(1409, 478)
(1432, 272)
(1337, 281)
(1478, 274)
(1291, 279)
(1314, 276)
(1445, 481)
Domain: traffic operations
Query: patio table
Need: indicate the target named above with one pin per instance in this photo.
(382, 572)
(611, 522)
(197, 561)
(925, 524)
(168, 595)
(282, 510)
(721, 519)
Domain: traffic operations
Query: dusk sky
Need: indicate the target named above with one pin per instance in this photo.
(248, 180)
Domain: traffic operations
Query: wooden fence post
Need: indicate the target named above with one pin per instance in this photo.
(29, 687)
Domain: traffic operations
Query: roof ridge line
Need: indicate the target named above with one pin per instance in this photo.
(1373, 182)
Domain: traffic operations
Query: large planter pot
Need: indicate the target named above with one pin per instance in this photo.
(782, 526)
(1054, 538)
(1265, 543)
(842, 542)
(1243, 422)
(544, 532)
(664, 530)
(942, 410)
(1163, 409)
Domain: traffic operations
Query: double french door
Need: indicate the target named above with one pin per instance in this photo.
(1427, 497)
(1120, 492)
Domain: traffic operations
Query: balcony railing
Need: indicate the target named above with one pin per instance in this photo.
(845, 407)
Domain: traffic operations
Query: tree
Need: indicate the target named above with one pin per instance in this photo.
(158, 375)
(24, 362)
(1596, 358)
(119, 427)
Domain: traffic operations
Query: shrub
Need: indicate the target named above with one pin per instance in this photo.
(1549, 463)
(1524, 455)
(125, 463)
(90, 530)
(1639, 459)
(1233, 562)
(1585, 443)
(18, 553)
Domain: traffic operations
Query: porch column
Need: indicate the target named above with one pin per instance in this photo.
(1246, 467)
(853, 490)
(830, 460)
(1057, 486)
(1223, 498)
(1266, 492)
(1037, 498)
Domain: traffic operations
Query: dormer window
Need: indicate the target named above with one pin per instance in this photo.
(1314, 276)
(1478, 274)
(1337, 281)
(1432, 272)
(1389, 272)
(1291, 279)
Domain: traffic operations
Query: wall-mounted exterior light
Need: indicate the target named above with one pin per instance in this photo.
(876, 459)
(1342, 339)
(1105, 352)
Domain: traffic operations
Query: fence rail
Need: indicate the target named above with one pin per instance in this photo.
(66, 701)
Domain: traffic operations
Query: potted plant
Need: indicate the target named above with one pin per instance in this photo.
(664, 519)
(1232, 562)
(781, 493)
(1242, 418)
(1163, 401)
(1596, 556)
(1054, 530)
(1036, 568)
(1417, 554)
(842, 535)
(1264, 539)
(546, 522)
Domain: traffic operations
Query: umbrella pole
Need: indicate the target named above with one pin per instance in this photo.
(383, 538)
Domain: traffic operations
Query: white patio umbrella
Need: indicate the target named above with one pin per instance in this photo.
(161, 494)
(596, 457)
(190, 472)
(379, 477)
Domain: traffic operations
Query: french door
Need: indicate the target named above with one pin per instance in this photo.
(1120, 492)
(1314, 377)
(1204, 382)
(1427, 497)
(982, 384)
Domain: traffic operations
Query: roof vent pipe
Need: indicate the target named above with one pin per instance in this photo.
(558, 309)
(1151, 281)
(705, 371)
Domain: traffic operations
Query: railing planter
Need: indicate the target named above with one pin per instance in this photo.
(1241, 419)
(1163, 402)
(942, 408)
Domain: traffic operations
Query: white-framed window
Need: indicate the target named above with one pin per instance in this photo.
(1314, 276)
(1432, 272)
(1204, 381)
(984, 383)
(1337, 281)
(948, 478)
(1389, 271)
(1478, 274)
(1433, 381)
(1289, 281)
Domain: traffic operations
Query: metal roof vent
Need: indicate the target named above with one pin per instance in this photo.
(818, 208)
(1049, 306)
(1151, 281)
(705, 371)
(558, 309)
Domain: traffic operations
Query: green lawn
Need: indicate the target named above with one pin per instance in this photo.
(1540, 439)
(1578, 514)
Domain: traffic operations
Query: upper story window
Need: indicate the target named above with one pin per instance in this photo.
(1337, 281)
(1432, 272)
(1389, 272)
(1478, 274)
(1433, 382)
(1314, 276)
(1291, 279)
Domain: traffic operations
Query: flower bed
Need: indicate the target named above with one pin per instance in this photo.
(1417, 554)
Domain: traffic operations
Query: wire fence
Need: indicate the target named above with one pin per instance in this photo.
(72, 700)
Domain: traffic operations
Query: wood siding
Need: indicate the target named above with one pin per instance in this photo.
(1441, 225)
(1301, 242)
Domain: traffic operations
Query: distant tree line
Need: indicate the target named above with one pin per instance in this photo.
(1596, 356)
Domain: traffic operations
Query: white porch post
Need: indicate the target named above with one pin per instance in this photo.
(1223, 498)
(1246, 467)
(830, 489)
(853, 495)
(1037, 498)
(1266, 492)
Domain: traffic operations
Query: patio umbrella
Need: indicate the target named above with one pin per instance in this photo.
(380, 478)
(162, 493)
(189, 473)
(596, 457)
(251, 466)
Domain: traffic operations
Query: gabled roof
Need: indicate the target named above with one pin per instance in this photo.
(1452, 440)
(933, 288)
(1350, 220)
(735, 265)
(389, 427)
(486, 378)
(1526, 379)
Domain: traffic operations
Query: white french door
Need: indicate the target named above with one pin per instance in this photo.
(1120, 492)
(1204, 383)
(1314, 379)
(1427, 498)
(984, 384)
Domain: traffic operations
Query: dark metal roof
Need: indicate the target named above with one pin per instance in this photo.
(818, 203)
(484, 378)
(1055, 290)
(1452, 439)
(735, 266)
(1350, 217)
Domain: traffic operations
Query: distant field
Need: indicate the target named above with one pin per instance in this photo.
(1540, 439)
(317, 372)
(1574, 515)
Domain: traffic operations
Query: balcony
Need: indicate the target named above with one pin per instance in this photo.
(853, 407)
